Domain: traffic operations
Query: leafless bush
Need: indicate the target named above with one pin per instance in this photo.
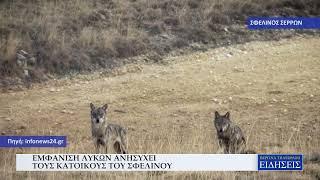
(79, 35)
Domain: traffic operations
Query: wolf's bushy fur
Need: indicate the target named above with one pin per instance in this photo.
(230, 136)
(106, 134)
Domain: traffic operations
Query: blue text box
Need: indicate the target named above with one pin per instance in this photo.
(280, 162)
(33, 141)
(255, 23)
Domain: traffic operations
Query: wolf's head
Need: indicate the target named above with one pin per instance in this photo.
(98, 114)
(222, 123)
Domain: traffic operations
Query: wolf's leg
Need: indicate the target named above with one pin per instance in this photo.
(234, 148)
(222, 148)
(97, 147)
(106, 145)
(125, 151)
(124, 145)
(226, 148)
(107, 140)
(220, 143)
(106, 148)
(242, 147)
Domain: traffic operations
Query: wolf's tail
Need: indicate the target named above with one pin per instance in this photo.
(118, 147)
(247, 151)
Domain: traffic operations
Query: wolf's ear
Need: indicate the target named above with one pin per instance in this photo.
(105, 107)
(92, 107)
(216, 114)
(227, 115)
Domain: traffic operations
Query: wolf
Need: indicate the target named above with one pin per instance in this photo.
(230, 136)
(104, 133)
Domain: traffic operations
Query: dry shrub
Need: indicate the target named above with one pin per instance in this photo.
(9, 47)
(88, 37)
(126, 47)
(79, 35)
(151, 14)
(193, 4)
(8, 50)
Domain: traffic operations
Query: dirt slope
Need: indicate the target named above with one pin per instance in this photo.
(272, 90)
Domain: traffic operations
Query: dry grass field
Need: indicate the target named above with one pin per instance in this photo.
(272, 90)
(84, 35)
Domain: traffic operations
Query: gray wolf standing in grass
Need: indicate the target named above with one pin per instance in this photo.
(230, 136)
(104, 133)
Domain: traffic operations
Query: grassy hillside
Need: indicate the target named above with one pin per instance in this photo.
(270, 88)
(81, 35)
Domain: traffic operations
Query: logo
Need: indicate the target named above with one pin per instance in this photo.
(33, 141)
(280, 162)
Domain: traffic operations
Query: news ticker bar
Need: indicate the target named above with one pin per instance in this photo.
(159, 162)
(32, 141)
(256, 23)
